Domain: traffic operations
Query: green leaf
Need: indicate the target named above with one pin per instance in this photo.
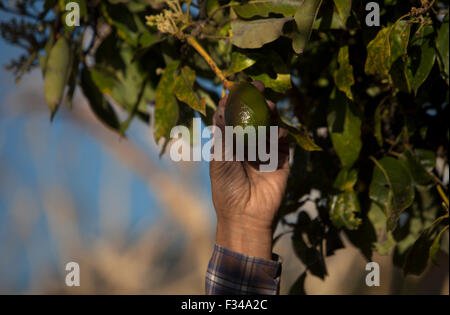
(256, 33)
(343, 76)
(298, 288)
(239, 62)
(101, 108)
(105, 79)
(43, 59)
(166, 105)
(421, 57)
(299, 135)
(344, 125)
(443, 47)
(304, 18)
(417, 256)
(343, 208)
(418, 162)
(57, 73)
(345, 205)
(344, 8)
(148, 39)
(346, 179)
(119, 16)
(391, 188)
(121, 77)
(264, 7)
(385, 241)
(271, 70)
(184, 90)
(434, 249)
(281, 83)
(399, 39)
(379, 54)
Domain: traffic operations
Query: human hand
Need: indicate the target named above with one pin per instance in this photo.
(245, 199)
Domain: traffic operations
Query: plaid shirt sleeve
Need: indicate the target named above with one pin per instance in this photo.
(231, 273)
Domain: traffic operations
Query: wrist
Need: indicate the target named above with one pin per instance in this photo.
(245, 238)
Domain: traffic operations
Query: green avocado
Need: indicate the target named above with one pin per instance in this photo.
(246, 106)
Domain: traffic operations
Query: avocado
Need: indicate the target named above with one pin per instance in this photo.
(246, 106)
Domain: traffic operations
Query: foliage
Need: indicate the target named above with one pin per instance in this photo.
(381, 93)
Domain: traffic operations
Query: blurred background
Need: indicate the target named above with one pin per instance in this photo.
(135, 223)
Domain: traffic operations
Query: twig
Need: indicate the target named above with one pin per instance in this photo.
(193, 42)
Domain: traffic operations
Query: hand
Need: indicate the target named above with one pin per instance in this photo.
(245, 199)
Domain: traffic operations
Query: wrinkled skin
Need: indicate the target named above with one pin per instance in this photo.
(245, 199)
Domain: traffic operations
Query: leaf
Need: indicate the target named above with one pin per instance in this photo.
(184, 92)
(417, 256)
(299, 135)
(123, 20)
(343, 208)
(345, 205)
(434, 249)
(343, 76)
(344, 8)
(105, 79)
(379, 54)
(418, 162)
(298, 288)
(43, 59)
(57, 73)
(304, 18)
(256, 33)
(346, 179)
(166, 106)
(121, 77)
(421, 57)
(344, 126)
(239, 62)
(391, 188)
(385, 241)
(264, 7)
(399, 39)
(271, 70)
(443, 47)
(101, 108)
(281, 83)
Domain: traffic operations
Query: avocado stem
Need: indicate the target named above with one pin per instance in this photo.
(195, 44)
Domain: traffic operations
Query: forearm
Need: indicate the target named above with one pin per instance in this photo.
(242, 261)
(244, 238)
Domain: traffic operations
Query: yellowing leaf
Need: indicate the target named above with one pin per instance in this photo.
(184, 92)
(379, 54)
(166, 105)
(343, 76)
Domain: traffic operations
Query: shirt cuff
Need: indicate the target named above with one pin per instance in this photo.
(237, 274)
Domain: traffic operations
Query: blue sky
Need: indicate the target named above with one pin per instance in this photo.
(36, 155)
